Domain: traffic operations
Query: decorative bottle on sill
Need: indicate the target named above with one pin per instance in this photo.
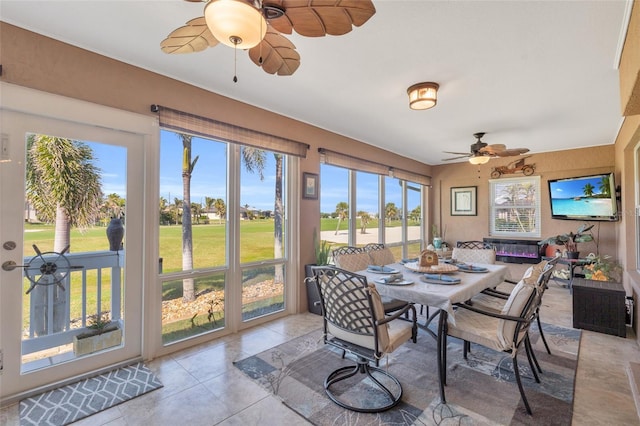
(115, 234)
(437, 242)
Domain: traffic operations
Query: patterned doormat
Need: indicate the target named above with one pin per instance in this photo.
(78, 400)
(480, 391)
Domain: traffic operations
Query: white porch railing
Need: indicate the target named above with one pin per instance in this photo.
(50, 319)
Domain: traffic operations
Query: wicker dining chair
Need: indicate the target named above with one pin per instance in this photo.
(359, 260)
(495, 299)
(355, 323)
(506, 331)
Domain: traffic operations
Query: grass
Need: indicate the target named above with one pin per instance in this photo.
(209, 250)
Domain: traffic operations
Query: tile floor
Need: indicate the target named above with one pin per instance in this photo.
(202, 387)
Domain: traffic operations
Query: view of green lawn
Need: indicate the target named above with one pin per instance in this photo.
(256, 243)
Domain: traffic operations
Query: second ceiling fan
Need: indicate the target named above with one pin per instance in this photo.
(481, 152)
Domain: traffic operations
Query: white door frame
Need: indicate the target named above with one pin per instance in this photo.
(25, 110)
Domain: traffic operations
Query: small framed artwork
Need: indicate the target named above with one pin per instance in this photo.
(464, 201)
(310, 186)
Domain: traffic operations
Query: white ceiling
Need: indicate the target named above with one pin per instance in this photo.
(534, 74)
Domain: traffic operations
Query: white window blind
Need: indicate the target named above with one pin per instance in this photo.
(515, 207)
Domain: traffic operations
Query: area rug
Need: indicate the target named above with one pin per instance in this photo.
(75, 401)
(480, 391)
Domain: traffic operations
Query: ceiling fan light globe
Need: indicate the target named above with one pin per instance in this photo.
(235, 23)
(479, 159)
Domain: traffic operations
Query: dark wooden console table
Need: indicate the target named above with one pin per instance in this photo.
(599, 306)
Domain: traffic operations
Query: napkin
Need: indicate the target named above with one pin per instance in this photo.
(392, 278)
(441, 277)
(413, 259)
(467, 267)
(377, 268)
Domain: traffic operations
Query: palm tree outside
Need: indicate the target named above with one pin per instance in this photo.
(255, 161)
(188, 284)
(64, 186)
(342, 211)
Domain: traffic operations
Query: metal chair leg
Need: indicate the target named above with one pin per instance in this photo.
(529, 351)
(519, 381)
(442, 354)
(533, 354)
(542, 334)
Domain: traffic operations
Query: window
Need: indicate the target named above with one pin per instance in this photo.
(222, 233)
(367, 194)
(515, 207)
(359, 207)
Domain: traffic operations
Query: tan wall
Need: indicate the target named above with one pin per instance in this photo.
(38, 62)
(630, 66)
(626, 143)
(575, 162)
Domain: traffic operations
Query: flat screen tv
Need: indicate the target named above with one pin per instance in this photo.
(584, 198)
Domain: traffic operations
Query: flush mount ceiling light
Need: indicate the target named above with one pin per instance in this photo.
(423, 95)
(479, 159)
(235, 23)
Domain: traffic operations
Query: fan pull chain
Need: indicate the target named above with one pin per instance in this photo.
(235, 64)
(260, 58)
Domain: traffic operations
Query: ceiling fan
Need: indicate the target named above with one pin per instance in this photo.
(481, 153)
(257, 25)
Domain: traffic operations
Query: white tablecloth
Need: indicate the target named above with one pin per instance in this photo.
(439, 295)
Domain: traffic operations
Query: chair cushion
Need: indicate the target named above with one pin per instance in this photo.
(392, 334)
(514, 306)
(381, 257)
(353, 262)
(476, 328)
(487, 256)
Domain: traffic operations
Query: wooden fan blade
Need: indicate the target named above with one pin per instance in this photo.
(511, 152)
(493, 149)
(317, 18)
(279, 55)
(458, 153)
(193, 37)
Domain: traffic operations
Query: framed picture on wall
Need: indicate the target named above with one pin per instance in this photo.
(310, 186)
(464, 201)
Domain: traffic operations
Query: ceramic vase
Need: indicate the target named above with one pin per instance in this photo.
(437, 242)
(115, 234)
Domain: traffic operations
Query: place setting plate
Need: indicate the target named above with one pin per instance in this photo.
(452, 281)
(389, 271)
(472, 269)
(399, 282)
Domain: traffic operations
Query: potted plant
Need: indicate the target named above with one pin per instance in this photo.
(101, 333)
(570, 240)
(603, 268)
(323, 253)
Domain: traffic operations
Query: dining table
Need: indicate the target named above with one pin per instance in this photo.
(442, 295)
